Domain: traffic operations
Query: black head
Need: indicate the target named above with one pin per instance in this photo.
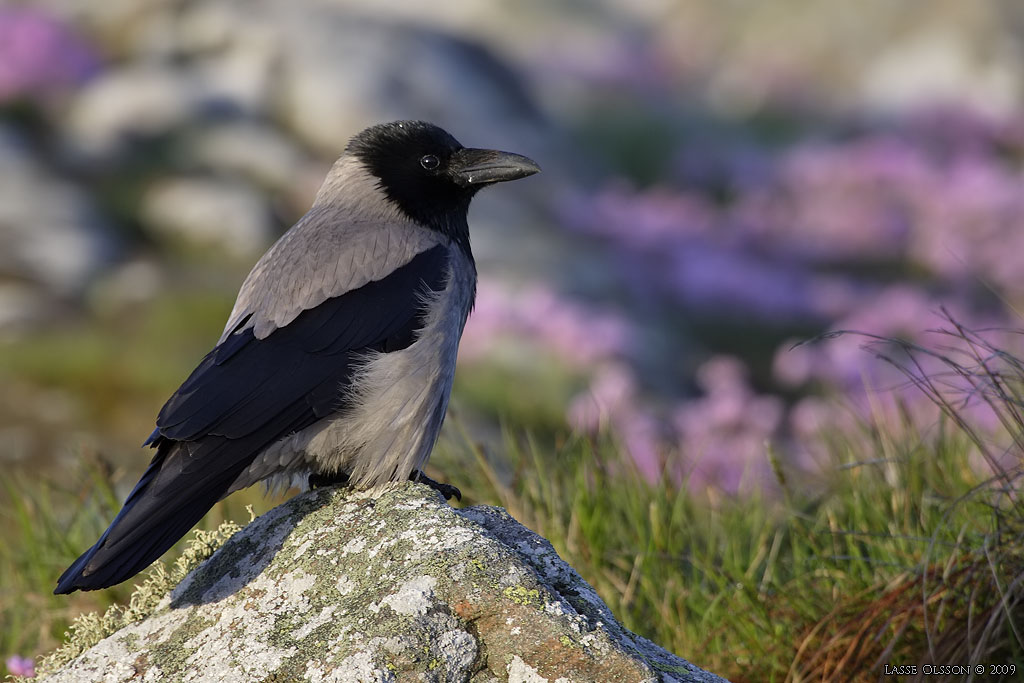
(429, 175)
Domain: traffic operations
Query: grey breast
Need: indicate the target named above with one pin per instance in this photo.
(397, 403)
(400, 397)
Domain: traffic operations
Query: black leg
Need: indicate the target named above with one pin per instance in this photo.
(319, 479)
(446, 490)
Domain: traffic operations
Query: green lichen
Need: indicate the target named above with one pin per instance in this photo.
(522, 595)
(565, 641)
(89, 629)
(171, 656)
(661, 666)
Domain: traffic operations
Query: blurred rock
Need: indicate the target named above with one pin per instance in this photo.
(239, 81)
(941, 66)
(257, 151)
(326, 70)
(340, 72)
(210, 211)
(143, 100)
(255, 89)
(209, 27)
(125, 28)
(129, 283)
(50, 231)
(235, 53)
(20, 306)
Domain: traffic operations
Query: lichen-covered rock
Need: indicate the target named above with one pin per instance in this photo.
(339, 586)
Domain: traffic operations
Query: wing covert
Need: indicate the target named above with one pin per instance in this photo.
(246, 383)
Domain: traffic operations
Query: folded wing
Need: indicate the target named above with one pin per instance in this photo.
(244, 395)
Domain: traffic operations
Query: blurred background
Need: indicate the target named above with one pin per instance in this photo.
(721, 181)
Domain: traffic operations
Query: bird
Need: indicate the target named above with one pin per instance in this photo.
(337, 360)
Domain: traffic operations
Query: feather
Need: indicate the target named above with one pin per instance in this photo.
(246, 394)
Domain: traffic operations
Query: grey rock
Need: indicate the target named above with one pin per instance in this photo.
(338, 586)
(939, 65)
(323, 69)
(21, 306)
(210, 211)
(145, 99)
(270, 92)
(239, 80)
(135, 281)
(341, 72)
(314, 73)
(51, 234)
(257, 151)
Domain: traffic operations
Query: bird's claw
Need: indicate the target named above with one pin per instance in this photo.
(446, 490)
(319, 479)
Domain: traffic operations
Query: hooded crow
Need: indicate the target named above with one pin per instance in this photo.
(337, 360)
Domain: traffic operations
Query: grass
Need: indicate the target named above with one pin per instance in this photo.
(44, 525)
(906, 559)
(906, 553)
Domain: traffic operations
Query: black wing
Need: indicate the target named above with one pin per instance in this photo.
(246, 394)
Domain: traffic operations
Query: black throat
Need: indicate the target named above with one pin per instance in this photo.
(392, 153)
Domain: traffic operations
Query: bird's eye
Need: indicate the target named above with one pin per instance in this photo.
(429, 162)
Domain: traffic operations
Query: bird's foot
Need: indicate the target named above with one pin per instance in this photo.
(446, 490)
(320, 479)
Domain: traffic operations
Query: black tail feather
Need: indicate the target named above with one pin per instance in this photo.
(167, 502)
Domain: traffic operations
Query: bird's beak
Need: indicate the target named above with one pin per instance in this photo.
(478, 167)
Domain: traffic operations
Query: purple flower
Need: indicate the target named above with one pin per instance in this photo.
(642, 439)
(872, 232)
(40, 54)
(21, 666)
(842, 364)
(722, 435)
(735, 167)
(612, 391)
(714, 279)
(650, 219)
(835, 202)
(591, 341)
(578, 334)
